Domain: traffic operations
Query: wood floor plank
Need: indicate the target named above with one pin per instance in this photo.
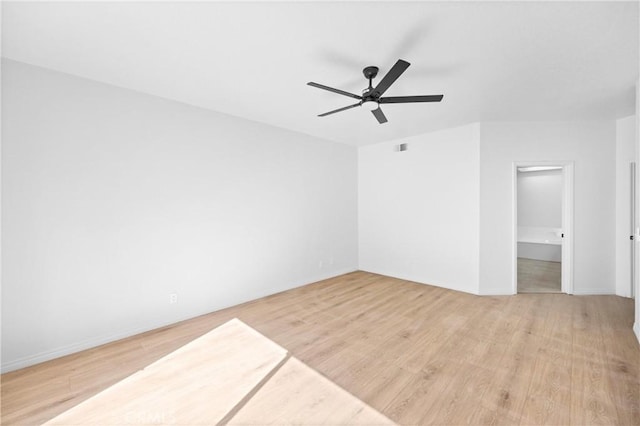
(416, 353)
(478, 357)
(419, 396)
(591, 401)
(179, 388)
(297, 394)
(549, 395)
(539, 276)
(504, 399)
(622, 375)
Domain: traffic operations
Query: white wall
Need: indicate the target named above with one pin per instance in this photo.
(625, 154)
(113, 199)
(591, 145)
(419, 209)
(540, 199)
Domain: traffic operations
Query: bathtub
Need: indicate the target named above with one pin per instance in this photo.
(540, 243)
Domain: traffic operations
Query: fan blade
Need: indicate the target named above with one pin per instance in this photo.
(407, 99)
(379, 116)
(331, 89)
(393, 74)
(339, 109)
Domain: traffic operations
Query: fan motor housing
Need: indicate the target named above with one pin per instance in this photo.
(370, 72)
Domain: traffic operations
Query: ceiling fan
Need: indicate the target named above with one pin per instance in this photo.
(372, 96)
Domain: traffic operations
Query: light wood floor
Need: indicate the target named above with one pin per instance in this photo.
(232, 375)
(538, 276)
(418, 354)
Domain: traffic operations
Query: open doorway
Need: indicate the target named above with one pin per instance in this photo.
(542, 227)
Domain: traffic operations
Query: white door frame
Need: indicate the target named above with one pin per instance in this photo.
(567, 222)
(632, 225)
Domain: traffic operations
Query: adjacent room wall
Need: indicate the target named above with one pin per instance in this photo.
(540, 199)
(419, 209)
(539, 213)
(114, 199)
(591, 145)
(625, 154)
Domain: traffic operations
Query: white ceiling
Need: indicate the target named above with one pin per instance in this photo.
(491, 60)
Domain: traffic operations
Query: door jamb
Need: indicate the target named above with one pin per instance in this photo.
(567, 221)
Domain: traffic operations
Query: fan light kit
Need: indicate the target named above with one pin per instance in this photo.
(370, 105)
(371, 96)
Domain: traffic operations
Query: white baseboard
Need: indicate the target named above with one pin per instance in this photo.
(141, 328)
(636, 329)
(90, 343)
(323, 276)
(420, 280)
(597, 292)
(493, 292)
